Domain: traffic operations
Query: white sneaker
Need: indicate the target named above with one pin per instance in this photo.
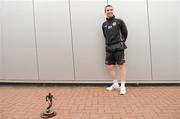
(113, 87)
(123, 91)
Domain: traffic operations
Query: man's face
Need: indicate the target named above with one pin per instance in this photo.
(109, 12)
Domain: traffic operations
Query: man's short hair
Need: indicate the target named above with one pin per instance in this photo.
(108, 5)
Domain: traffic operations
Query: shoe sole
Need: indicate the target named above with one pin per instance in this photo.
(122, 94)
(113, 89)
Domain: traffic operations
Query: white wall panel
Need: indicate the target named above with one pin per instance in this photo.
(1, 57)
(1, 63)
(54, 40)
(18, 37)
(165, 30)
(134, 13)
(88, 40)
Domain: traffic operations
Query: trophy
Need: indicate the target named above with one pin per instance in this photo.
(48, 113)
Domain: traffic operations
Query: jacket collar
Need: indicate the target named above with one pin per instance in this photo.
(110, 19)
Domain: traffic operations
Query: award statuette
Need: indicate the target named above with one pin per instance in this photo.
(48, 113)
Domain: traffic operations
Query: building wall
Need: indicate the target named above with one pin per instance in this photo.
(61, 41)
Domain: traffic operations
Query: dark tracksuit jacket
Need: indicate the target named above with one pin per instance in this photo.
(115, 33)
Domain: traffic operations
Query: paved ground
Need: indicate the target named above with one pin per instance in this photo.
(91, 102)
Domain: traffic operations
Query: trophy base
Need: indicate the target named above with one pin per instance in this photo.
(48, 114)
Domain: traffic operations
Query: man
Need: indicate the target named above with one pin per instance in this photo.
(115, 33)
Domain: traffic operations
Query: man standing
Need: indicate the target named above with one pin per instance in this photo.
(115, 33)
